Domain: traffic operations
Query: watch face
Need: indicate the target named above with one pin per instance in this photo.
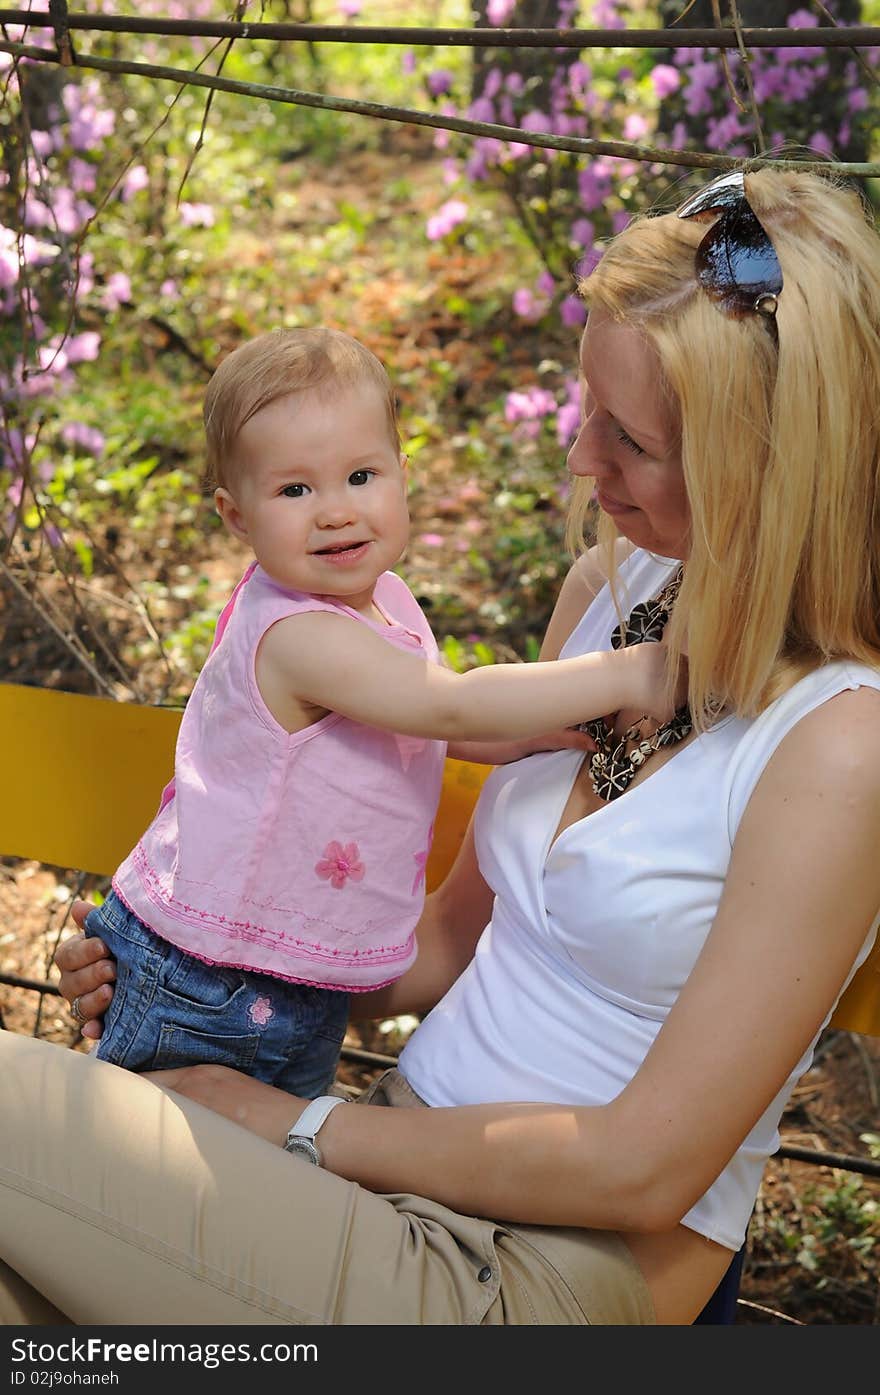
(304, 1148)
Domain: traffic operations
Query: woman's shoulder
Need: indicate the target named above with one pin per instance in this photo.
(828, 720)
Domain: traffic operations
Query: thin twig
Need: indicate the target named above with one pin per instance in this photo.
(69, 640)
(769, 1312)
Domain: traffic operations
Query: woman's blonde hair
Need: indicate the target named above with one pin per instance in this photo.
(780, 447)
(274, 365)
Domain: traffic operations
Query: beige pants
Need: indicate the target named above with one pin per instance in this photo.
(123, 1204)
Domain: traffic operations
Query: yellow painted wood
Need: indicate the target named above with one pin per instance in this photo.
(859, 1008)
(84, 776)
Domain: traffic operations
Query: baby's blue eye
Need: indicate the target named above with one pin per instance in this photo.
(295, 491)
(358, 477)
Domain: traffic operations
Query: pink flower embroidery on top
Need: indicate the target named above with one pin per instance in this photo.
(260, 1011)
(339, 863)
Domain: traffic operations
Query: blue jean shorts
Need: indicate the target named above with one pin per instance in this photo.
(171, 1009)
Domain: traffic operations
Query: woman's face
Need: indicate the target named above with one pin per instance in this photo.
(628, 440)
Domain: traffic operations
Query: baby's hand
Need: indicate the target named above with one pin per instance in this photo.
(648, 678)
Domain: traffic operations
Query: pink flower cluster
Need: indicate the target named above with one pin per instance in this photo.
(44, 266)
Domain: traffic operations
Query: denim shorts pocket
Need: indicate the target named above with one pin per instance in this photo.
(206, 988)
(183, 1046)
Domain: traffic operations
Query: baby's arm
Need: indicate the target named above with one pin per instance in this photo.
(337, 664)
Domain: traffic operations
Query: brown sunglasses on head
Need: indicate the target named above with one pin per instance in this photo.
(736, 262)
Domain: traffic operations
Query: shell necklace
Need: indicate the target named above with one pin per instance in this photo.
(617, 758)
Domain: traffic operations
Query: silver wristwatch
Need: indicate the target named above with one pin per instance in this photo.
(301, 1136)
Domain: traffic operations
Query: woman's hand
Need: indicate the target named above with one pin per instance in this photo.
(262, 1109)
(87, 973)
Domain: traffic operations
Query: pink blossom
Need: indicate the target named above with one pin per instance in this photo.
(43, 143)
(605, 15)
(51, 356)
(408, 61)
(593, 186)
(580, 75)
(197, 215)
(821, 142)
(134, 181)
(77, 433)
(529, 306)
(349, 8)
(568, 420)
(117, 291)
(665, 80)
(493, 83)
(498, 12)
(432, 539)
(447, 217)
(481, 109)
(82, 348)
(529, 405)
(535, 121)
(86, 276)
(82, 176)
(90, 123)
(582, 232)
(339, 863)
(572, 311)
(170, 289)
(69, 213)
(635, 126)
(438, 82)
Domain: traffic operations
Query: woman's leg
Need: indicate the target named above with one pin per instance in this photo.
(123, 1204)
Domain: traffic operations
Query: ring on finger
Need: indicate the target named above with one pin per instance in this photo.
(76, 1011)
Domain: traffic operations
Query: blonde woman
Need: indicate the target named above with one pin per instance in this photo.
(637, 949)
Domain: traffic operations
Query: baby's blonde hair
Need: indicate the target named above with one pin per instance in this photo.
(780, 448)
(274, 365)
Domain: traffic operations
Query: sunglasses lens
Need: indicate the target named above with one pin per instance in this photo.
(736, 263)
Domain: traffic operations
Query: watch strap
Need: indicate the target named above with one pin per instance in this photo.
(312, 1117)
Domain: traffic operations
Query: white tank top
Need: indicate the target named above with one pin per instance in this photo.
(591, 939)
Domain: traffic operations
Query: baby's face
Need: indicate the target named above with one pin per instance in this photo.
(319, 493)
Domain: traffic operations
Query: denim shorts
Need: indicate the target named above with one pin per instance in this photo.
(171, 1009)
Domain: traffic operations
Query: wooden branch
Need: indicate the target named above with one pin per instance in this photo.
(830, 36)
(615, 149)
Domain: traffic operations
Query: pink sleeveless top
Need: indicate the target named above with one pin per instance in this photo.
(296, 854)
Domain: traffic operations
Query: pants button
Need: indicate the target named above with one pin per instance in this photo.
(485, 1274)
